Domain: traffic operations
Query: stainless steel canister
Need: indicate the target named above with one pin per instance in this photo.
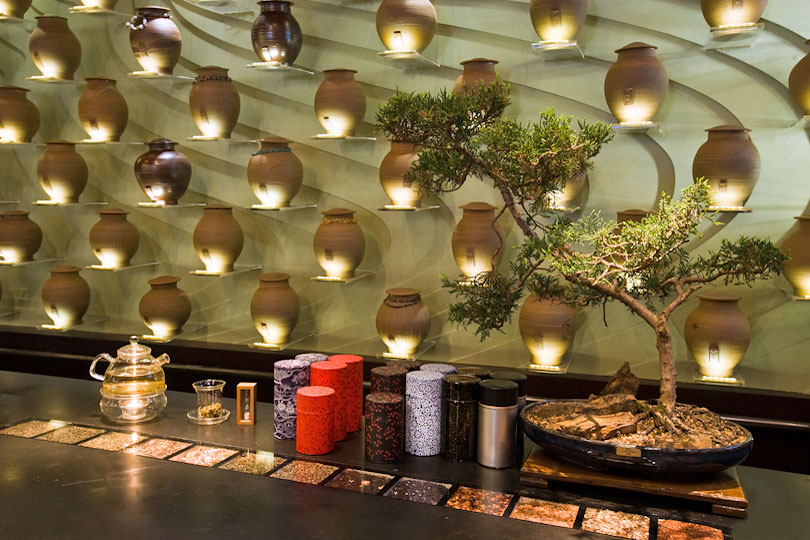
(497, 423)
(521, 381)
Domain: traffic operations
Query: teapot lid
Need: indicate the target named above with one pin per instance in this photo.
(134, 350)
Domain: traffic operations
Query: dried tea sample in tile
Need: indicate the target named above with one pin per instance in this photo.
(206, 456)
(70, 434)
(305, 472)
(32, 428)
(253, 463)
(479, 500)
(421, 491)
(619, 524)
(114, 441)
(157, 448)
(362, 481)
(550, 513)
(669, 529)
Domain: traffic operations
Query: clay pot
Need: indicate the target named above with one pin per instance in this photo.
(478, 241)
(568, 195)
(101, 4)
(407, 25)
(274, 173)
(103, 110)
(114, 240)
(218, 238)
(20, 238)
(14, 8)
(166, 308)
(62, 171)
(726, 12)
(632, 214)
(547, 329)
(19, 118)
(403, 321)
(162, 172)
(339, 243)
(717, 334)
(394, 165)
(55, 49)
(730, 163)
(214, 102)
(797, 267)
(276, 35)
(799, 83)
(65, 296)
(558, 20)
(340, 104)
(636, 85)
(275, 308)
(477, 71)
(155, 39)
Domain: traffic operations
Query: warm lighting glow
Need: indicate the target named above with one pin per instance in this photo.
(11, 255)
(97, 133)
(204, 138)
(133, 409)
(400, 207)
(718, 363)
(547, 351)
(274, 332)
(160, 330)
(714, 208)
(727, 380)
(60, 321)
(638, 124)
(271, 195)
(736, 26)
(57, 194)
(403, 346)
(329, 278)
(729, 196)
(336, 123)
(543, 367)
(9, 134)
(153, 204)
(273, 54)
(111, 258)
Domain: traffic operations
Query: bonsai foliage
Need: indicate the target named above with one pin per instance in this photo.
(644, 265)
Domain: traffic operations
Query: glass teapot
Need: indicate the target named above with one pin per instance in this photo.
(134, 385)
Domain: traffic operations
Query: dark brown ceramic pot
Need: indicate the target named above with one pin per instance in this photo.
(340, 103)
(636, 84)
(155, 39)
(547, 329)
(732, 12)
(478, 241)
(62, 172)
(276, 35)
(19, 118)
(275, 308)
(114, 240)
(20, 238)
(407, 25)
(394, 165)
(218, 239)
(730, 163)
(214, 102)
(165, 308)
(103, 111)
(403, 321)
(55, 49)
(558, 20)
(163, 173)
(14, 8)
(274, 173)
(478, 71)
(717, 334)
(65, 296)
(339, 243)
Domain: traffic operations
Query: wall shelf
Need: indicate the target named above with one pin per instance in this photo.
(424, 347)
(278, 67)
(735, 379)
(97, 11)
(407, 59)
(155, 76)
(153, 204)
(559, 369)
(54, 80)
(328, 137)
(733, 36)
(405, 208)
(101, 268)
(635, 127)
(86, 321)
(358, 274)
(294, 340)
(269, 208)
(235, 271)
(729, 209)
(558, 50)
(57, 203)
(117, 143)
(29, 263)
(228, 141)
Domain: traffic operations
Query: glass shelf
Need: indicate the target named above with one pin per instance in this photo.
(278, 67)
(558, 50)
(735, 379)
(98, 12)
(87, 320)
(559, 369)
(408, 59)
(99, 267)
(118, 143)
(801, 123)
(9, 202)
(54, 80)
(25, 24)
(358, 274)
(635, 127)
(154, 75)
(294, 340)
(57, 203)
(23, 144)
(328, 137)
(235, 271)
(733, 35)
(729, 209)
(206, 139)
(29, 263)
(269, 208)
(424, 347)
(185, 331)
(223, 7)
(153, 204)
(406, 208)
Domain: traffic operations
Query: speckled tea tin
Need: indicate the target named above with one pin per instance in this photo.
(315, 428)
(354, 398)
(388, 379)
(312, 357)
(409, 365)
(444, 369)
(423, 413)
(333, 375)
(288, 377)
(459, 417)
(385, 427)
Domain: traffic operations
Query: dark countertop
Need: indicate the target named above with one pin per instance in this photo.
(52, 490)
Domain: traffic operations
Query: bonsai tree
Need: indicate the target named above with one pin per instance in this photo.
(643, 265)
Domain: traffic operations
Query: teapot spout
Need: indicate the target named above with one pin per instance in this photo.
(162, 359)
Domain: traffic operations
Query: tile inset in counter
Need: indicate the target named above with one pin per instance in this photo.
(547, 512)
(32, 428)
(421, 491)
(70, 434)
(479, 500)
(205, 456)
(361, 481)
(114, 441)
(258, 463)
(669, 529)
(621, 524)
(157, 448)
(305, 472)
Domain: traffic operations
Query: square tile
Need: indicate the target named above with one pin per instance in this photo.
(258, 463)
(619, 524)
(114, 441)
(479, 500)
(305, 472)
(205, 456)
(547, 512)
(669, 529)
(32, 428)
(157, 448)
(71, 434)
(421, 491)
(360, 481)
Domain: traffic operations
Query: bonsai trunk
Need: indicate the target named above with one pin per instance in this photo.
(663, 341)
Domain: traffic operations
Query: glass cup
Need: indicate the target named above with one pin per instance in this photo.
(209, 398)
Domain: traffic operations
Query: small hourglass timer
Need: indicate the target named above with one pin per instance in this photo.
(246, 403)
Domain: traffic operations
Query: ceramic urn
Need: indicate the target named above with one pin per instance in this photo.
(547, 328)
(276, 34)
(406, 25)
(339, 243)
(14, 8)
(19, 118)
(558, 20)
(218, 239)
(65, 296)
(20, 238)
(162, 172)
(62, 172)
(478, 241)
(799, 83)
(403, 321)
(103, 111)
(719, 13)
(340, 103)
(114, 240)
(395, 164)
(478, 71)
(730, 163)
(155, 39)
(214, 102)
(165, 308)
(797, 268)
(275, 308)
(55, 49)
(275, 173)
(717, 334)
(636, 84)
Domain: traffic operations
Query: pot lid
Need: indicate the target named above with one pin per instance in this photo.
(65, 269)
(478, 206)
(727, 127)
(161, 142)
(338, 212)
(212, 67)
(99, 78)
(478, 60)
(275, 140)
(274, 276)
(60, 141)
(134, 350)
(50, 17)
(340, 69)
(15, 213)
(636, 45)
(402, 291)
(719, 297)
(164, 280)
(217, 206)
(164, 8)
(113, 211)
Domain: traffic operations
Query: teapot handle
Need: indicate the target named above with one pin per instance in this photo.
(162, 359)
(102, 356)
